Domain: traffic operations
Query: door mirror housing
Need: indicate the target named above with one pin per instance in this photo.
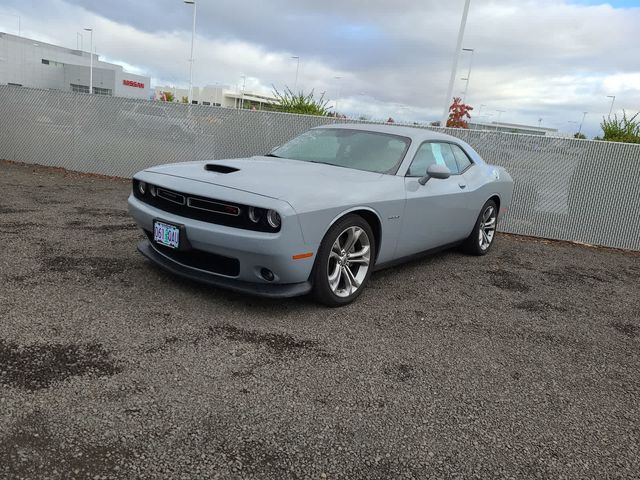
(435, 171)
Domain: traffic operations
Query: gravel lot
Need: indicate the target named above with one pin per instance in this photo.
(522, 364)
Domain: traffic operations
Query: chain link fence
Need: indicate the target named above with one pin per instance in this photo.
(565, 189)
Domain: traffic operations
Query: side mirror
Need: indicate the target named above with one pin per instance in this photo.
(435, 171)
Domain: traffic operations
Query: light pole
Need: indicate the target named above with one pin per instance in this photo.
(337, 96)
(466, 88)
(218, 88)
(454, 66)
(295, 85)
(90, 60)
(193, 35)
(540, 123)
(584, 114)
(244, 83)
(613, 100)
(500, 112)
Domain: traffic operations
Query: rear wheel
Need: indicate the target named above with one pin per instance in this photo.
(481, 239)
(344, 262)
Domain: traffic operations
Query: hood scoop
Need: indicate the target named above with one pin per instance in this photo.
(210, 167)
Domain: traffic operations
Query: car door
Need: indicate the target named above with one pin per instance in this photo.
(472, 177)
(433, 212)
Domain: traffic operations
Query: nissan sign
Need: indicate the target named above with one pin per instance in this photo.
(132, 83)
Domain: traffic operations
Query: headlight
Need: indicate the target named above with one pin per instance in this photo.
(152, 190)
(142, 187)
(255, 214)
(273, 218)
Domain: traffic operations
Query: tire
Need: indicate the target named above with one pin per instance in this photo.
(475, 244)
(352, 267)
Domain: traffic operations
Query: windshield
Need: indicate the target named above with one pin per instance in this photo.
(362, 150)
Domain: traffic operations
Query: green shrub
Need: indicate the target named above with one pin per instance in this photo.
(625, 130)
(290, 102)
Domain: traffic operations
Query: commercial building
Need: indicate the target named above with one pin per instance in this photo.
(30, 63)
(219, 96)
(515, 128)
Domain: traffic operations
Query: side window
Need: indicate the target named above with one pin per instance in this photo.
(444, 156)
(461, 158)
(423, 159)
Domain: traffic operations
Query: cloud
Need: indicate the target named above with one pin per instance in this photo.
(549, 59)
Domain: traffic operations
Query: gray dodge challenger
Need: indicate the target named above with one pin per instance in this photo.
(321, 212)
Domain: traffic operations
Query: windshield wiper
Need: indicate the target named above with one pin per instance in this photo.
(272, 155)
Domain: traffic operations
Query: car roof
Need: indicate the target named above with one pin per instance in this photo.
(414, 133)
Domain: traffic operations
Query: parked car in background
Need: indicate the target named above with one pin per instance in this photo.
(320, 213)
(155, 119)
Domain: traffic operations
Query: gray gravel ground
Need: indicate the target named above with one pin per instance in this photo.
(521, 364)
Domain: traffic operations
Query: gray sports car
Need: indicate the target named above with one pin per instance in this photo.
(321, 212)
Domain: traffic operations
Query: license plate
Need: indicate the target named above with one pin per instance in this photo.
(165, 234)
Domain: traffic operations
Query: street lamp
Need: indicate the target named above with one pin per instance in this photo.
(584, 114)
(193, 34)
(295, 85)
(454, 66)
(244, 83)
(613, 99)
(90, 60)
(466, 88)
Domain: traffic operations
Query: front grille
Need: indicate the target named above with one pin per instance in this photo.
(209, 262)
(200, 208)
(169, 196)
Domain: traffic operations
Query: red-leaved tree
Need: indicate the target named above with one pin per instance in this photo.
(458, 111)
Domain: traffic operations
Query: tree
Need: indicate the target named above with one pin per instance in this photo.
(290, 102)
(167, 97)
(579, 135)
(185, 99)
(625, 130)
(458, 111)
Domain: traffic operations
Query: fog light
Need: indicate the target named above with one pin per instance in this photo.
(142, 187)
(267, 274)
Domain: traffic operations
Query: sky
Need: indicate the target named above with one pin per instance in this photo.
(533, 59)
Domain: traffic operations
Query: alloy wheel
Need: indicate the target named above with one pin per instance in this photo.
(349, 261)
(487, 227)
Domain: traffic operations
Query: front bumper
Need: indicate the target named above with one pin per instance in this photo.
(253, 250)
(269, 290)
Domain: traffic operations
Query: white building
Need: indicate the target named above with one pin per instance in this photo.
(219, 96)
(29, 63)
(514, 128)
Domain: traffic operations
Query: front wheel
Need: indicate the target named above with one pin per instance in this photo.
(484, 231)
(344, 262)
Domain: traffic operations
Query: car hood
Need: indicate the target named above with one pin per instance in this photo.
(290, 180)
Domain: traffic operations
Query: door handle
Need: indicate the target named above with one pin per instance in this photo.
(462, 185)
